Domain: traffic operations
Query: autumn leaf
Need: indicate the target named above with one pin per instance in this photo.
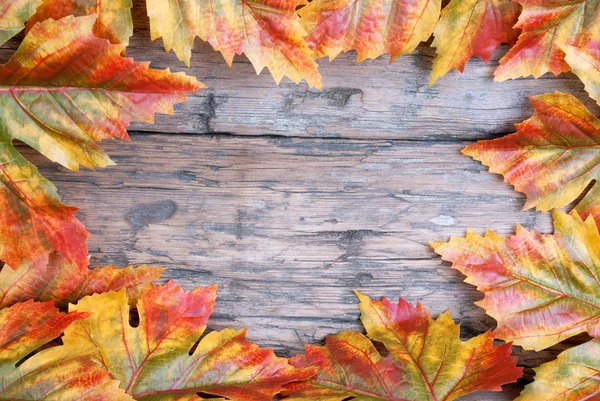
(585, 63)
(267, 31)
(62, 282)
(573, 376)
(546, 25)
(470, 28)
(542, 289)
(62, 91)
(426, 361)
(33, 221)
(154, 359)
(62, 78)
(114, 21)
(552, 158)
(13, 14)
(371, 27)
(55, 373)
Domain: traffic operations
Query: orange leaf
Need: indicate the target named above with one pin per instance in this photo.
(585, 62)
(541, 289)
(114, 17)
(162, 357)
(61, 92)
(13, 14)
(267, 31)
(426, 361)
(56, 373)
(371, 27)
(33, 221)
(553, 156)
(470, 28)
(547, 24)
(63, 282)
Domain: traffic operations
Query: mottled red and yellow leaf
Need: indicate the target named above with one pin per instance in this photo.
(268, 32)
(371, 27)
(62, 91)
(470, 28)
(585, 63)
(55, 373)
(63, 282)
(552, 157)
(114, 21)
(13, 14)
(33, 221)
(542, 289)
(573, 376)
(546, 25)
(154, 359)
(426, 360)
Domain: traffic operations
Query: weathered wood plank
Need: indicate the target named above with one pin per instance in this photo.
(289, 226)
(368, 100)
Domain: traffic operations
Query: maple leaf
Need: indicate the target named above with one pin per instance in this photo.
(426, 361)
(13, 14)
(63, 90)
(542, 289)
(371, 27)
(114, 21)
(56, 373)
(552, 157)
(585, 63)
(573, 376)
(62, 282)
(546, 25)
(267, 31)
(472, 28)
(154, 359)
(62, 77)
(33, 221)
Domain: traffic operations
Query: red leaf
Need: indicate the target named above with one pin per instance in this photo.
(426, 361)
(545, 25)
(472, 28)
(553, 156)
(63, 282)
(371, 27)
(156, 358)
(542, 289)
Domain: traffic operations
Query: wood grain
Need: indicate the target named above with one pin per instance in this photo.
(288, 227)
(290, 198)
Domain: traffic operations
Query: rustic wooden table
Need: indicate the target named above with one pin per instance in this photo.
(290, 198)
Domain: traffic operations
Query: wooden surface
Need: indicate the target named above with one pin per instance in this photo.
(290, 198)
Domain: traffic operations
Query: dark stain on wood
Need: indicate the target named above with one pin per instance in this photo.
(334, 97)
(207, 112)
(140, 216)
